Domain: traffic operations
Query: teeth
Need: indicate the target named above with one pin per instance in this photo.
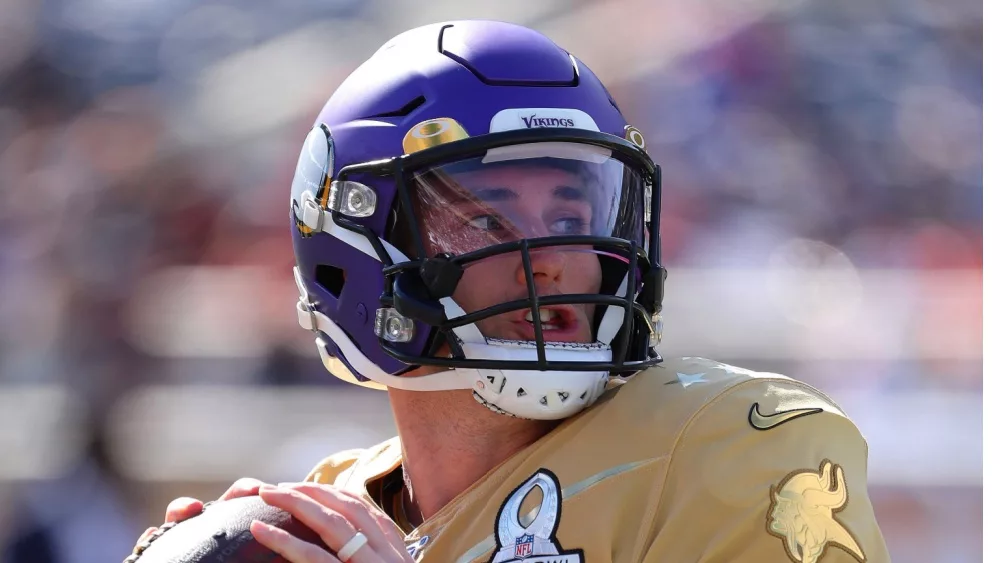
(545, 315)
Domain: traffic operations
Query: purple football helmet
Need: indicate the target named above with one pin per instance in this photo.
(471, 199)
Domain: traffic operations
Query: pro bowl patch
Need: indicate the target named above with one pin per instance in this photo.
(536, 542)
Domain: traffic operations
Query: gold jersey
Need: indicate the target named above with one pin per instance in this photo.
(692, 460)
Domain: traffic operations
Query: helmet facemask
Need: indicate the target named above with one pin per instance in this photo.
(530, 267)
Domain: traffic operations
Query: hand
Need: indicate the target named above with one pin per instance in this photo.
(336, 516)
(183, 508)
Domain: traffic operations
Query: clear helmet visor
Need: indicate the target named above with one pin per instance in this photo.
(534, 191)
(528, 191)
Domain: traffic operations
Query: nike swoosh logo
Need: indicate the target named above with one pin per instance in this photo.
(762, 422)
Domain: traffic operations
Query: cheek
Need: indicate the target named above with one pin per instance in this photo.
(482, 285)
(583, 273)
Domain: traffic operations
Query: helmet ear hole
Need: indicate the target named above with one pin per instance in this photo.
(331, 278)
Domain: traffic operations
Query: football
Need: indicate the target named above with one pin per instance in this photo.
(221, 534)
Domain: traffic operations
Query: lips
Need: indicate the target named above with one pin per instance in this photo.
(560, 323)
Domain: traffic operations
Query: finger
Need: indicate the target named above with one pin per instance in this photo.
(362, 513)
(333, 527)
(392, 532)
(355, 508)
(244, 487)
(288, 546)
(181, 509)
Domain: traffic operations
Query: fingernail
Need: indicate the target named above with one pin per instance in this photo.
(289, 484)
(266, 487)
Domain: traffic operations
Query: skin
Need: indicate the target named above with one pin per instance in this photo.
(448, 440)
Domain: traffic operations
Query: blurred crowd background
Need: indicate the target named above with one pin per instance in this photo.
(822, 218)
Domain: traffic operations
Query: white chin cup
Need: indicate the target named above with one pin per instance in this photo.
(539, 395)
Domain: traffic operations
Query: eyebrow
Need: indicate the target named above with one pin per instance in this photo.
(569, 193)
(495, 194)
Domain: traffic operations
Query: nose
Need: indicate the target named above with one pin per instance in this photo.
(547, 267)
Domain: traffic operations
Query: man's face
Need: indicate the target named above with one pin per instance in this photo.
(503, 204)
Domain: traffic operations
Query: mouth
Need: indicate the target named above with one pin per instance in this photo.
(559, 323)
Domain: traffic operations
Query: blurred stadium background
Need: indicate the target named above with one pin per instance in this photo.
(823, 218)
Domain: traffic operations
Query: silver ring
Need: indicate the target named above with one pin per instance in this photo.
(352, 546)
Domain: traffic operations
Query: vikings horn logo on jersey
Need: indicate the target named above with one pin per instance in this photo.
(536, 541)
(802, 513)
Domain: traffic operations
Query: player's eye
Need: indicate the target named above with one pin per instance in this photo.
(485, 222)
(568, 226)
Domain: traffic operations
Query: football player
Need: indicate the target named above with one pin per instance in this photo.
(476, 231)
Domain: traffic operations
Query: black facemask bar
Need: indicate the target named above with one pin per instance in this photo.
(416, 296)
(414, 287)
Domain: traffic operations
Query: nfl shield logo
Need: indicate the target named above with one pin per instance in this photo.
(524, 545)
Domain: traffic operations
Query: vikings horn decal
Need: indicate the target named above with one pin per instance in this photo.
(803, 513)
(635, 136)
(536, 542)
(311, 183)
